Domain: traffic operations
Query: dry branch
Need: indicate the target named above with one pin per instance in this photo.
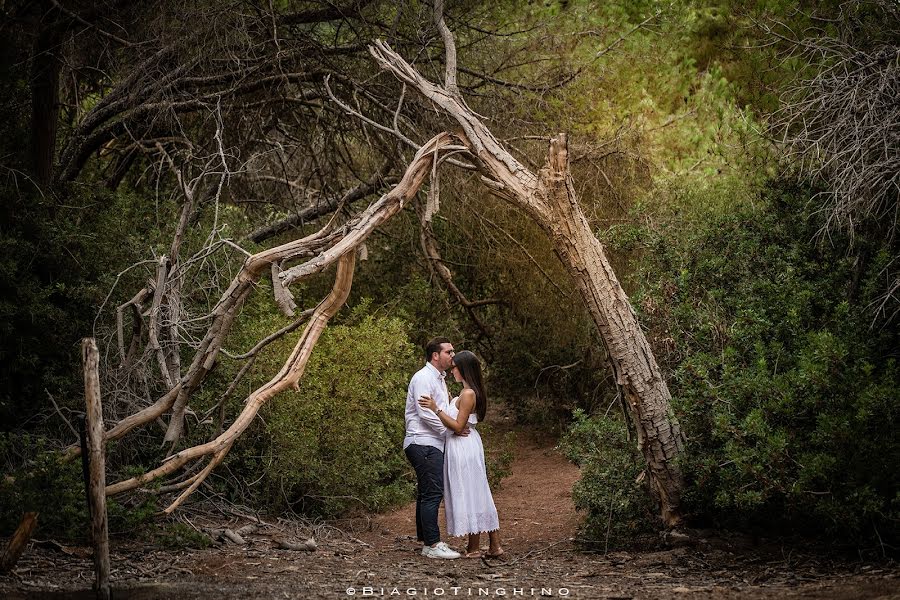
(429, 245)
(283, 297)
(288, 377)
(841, 129)
(549, 199)
(331, 246)
(450, 49)
(323, 206)
(137, 326)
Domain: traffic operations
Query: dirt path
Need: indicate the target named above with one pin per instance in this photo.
(534, 503)
(378, 557)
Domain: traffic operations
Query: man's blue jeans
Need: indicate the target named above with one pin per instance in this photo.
(428, 462)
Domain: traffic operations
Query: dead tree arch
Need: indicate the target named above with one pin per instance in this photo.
(548, 197)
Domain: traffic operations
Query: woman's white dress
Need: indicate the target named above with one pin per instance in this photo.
(468, 503)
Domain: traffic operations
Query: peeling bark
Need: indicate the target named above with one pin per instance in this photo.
(549, 199)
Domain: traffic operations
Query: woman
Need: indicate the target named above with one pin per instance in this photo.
(468, 503)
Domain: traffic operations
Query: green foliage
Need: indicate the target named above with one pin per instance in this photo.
(783, 383)
(59, 261)
(498, 453)
(335, 443)
(177, 536)
(42, 483)
(618, 507)
(39, 480)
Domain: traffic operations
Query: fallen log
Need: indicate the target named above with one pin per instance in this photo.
(228, 535)
(308, 546)
(18, 542)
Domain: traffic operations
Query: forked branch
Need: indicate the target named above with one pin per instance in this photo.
(326, 247)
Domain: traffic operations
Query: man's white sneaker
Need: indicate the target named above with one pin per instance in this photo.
(440, 550)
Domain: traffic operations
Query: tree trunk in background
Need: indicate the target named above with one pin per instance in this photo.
(45, 69)
(549, 199)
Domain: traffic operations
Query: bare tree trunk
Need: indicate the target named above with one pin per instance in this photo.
(429, 245)
(549, 198)
(96, 482)
(660, 439)
(45, 69)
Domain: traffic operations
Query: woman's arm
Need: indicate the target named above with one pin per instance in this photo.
(466, 405)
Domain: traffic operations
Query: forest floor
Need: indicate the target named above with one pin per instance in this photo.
(377, 556)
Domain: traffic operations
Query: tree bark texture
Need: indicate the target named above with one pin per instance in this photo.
(549, 199)
(96, 466)
(659, 435)
(45, 68)
(18, 542)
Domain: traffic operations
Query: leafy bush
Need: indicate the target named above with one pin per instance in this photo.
(618, 506)
(42, 483)
(335, 444)
(175, 536)
(498, 453)
(39, 480)
(784, 385)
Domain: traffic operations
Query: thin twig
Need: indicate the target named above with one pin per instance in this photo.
(59, 412)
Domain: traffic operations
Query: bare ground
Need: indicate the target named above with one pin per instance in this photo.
(378, 557)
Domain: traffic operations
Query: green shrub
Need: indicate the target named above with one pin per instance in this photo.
(610, 490)
(176, 536)
(785, 387)
(39, 480)
(336, 444)
(498, 453)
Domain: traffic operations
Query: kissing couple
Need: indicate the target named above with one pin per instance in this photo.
(444, 448)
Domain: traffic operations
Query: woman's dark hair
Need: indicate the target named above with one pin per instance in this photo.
(470, 370)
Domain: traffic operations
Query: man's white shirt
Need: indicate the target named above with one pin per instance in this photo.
(423, 426)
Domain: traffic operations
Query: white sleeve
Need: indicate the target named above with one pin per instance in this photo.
(421, 386)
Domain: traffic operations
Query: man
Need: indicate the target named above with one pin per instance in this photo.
(424, 444)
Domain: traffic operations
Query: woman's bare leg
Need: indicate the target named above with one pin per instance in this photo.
(495, 549)
(474, 543)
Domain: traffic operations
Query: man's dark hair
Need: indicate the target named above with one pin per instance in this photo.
(433, 346)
